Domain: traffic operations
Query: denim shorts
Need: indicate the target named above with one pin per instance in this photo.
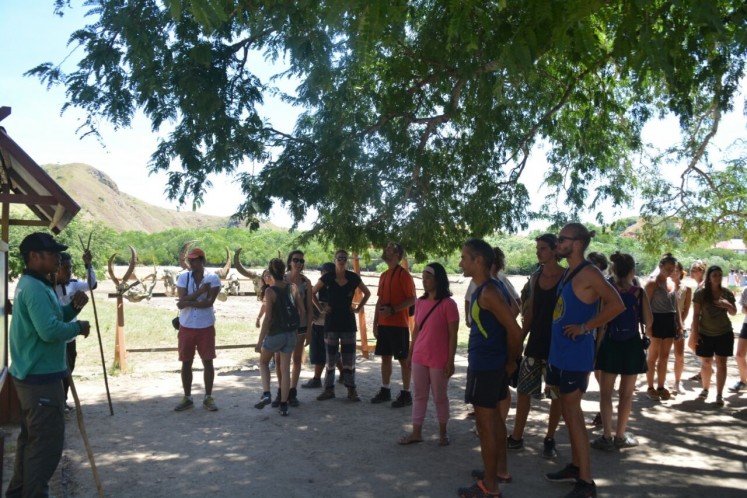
(283, 342)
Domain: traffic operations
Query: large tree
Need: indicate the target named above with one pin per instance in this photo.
(418, 117)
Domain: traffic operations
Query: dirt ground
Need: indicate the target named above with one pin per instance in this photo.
(337, 448)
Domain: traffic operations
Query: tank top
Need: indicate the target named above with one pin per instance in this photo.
(487, 337)
(538, 344)
(575, 354)
(663, 301)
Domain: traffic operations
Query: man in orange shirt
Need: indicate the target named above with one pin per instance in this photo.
(391, 324)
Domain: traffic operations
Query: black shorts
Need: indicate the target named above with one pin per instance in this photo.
(665, 325)
(565, 381)
(720, 345)
(393, 341)
(486, 388)
(743, 333)
(317, 349)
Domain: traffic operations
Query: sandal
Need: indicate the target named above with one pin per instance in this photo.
(479, 474)
(703, 394)
(405, 440)
(477, 490)
(443, 440)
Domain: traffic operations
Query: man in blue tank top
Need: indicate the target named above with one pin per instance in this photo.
(494, 345)
(572, 348)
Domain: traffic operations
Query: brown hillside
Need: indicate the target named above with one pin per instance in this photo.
(101, 200)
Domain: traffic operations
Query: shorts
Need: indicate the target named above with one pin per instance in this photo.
(720, 345)
(301, 330)
(743, 333)
(665, 325)
(202, 340)
(486, 388)
(283, 342)
(317, 349)
(393, 341)
(565, 381)
(530, 377)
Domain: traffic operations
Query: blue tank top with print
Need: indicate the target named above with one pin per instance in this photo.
(487, 337)
(576, 354)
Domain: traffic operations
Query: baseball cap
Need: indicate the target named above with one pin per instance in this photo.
(40, 241)
(196, 253)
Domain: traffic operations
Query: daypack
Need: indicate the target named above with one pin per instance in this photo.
(288, 319)
(625, 325)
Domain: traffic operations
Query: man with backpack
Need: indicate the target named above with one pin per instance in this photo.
(577, 313)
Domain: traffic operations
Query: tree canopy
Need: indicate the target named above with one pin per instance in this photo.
(418, 118)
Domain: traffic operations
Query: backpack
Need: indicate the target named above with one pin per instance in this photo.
(625, 325)
(288, 319)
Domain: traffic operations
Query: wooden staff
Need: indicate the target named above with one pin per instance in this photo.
(82, 427)
(98, 331)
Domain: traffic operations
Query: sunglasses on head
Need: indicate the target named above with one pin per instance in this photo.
(298, 260)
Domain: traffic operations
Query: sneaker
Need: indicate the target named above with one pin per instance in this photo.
(663, 393)
(382, 396)
(719, 400)
(276, 402)
(209, 404)
(603, 443)
(328, 393)
(627, 441)
(185, 404)
(312, 383)
(404, 399)
(703, 394)
(514, 444)
(293, 397)
(739, 386)
(283, 409)
(597, 422)
(265, 400)
(569, 473)
(353, 394)
(549, 451)
(583, 489)
(652, 394)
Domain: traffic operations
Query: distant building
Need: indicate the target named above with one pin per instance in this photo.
(736, 245)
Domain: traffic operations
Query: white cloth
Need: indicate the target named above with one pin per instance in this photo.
(65, 293)
(197, 318)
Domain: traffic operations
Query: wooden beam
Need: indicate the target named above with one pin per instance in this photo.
(27, 198)
(4, 112)
(28, 223)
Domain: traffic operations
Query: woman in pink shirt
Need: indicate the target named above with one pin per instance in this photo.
(434, 342)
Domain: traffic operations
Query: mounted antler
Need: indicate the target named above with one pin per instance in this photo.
(135, 294)
(122, 284)
(256, 279)
(183, 254)
(223, 272)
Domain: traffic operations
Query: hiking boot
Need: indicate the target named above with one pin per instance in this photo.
(185, 404)
(293, 397)
(569, 473)
(382, 396)
(627, 441)
(276, 402)
(353, 394)
(603, 443)
(209, 404)
(583, 489)
(663, 393)
(312, 383)
(265, 400)
(652, 394)
(549, 451)
(283, 409)
(404, 399)
(328, 393)
(738, 387)
(514, 444)
(597, 422)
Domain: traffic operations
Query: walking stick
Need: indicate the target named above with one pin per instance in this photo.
(98, 331)
(82, 427)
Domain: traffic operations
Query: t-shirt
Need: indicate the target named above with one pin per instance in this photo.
(395, 286)
(197, 318)
(713, 321)
(340, 317)
(431, 348)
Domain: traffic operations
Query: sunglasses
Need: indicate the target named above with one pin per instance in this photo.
(563, 238)
(298, 260)
(341, 258)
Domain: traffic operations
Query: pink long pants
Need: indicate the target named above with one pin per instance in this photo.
(426, 379)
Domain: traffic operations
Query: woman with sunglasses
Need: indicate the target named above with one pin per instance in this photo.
(712, 332)
(339, 327)
(684, 301)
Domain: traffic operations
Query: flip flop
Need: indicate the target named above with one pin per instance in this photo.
(405, 440)
(444, 440)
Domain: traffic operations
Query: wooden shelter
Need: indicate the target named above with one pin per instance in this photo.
(23, 181)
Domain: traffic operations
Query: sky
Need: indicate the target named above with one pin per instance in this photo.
(35, 35)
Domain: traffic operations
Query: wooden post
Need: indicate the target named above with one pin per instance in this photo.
(362, 314)
(120, 351)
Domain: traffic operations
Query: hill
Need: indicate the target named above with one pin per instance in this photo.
(101, 200)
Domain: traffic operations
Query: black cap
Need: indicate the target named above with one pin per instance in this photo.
(40, 241)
